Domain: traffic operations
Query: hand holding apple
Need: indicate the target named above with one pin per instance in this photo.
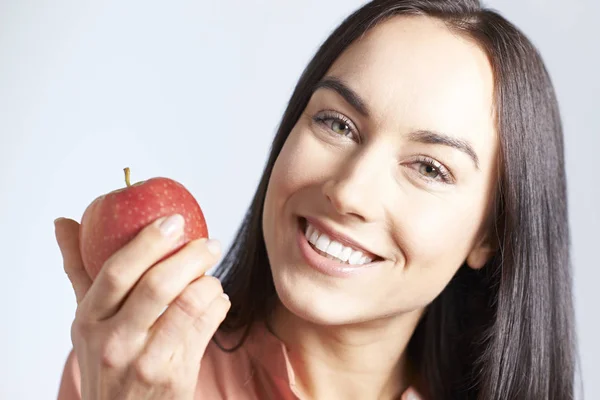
(146, 314)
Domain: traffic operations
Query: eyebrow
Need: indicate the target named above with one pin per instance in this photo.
(345, 91)
(421, 136)
(430, 137)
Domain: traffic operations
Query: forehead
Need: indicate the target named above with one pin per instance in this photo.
(415, 73)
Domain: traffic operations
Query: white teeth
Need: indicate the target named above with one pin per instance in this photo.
(355, 257)
(323, 242)
(346, 253)
(365, 259)
(334, 248)
(313, 237)
(309, 231)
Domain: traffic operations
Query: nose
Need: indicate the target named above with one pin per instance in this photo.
(356, 188)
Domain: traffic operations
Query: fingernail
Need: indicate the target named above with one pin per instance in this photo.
(225, 296)
(214, 247)
(412, 396)
(172, 226)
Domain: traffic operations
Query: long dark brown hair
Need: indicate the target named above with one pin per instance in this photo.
(502, 332)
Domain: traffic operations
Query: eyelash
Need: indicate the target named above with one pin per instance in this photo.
(444, 173)
(333, 116)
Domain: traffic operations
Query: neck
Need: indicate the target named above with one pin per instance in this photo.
(358, 361)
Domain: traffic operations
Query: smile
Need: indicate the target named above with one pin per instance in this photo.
(332, 254)
(333, 249)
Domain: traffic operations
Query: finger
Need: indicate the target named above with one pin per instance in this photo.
(165, 281)
(192, 319)
(192, 351)
(66, 232)
(410, 394)
(125, 267)
(198, 311)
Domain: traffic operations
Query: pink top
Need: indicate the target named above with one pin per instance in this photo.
(258, 370)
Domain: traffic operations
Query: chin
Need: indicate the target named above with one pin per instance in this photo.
(313, 304)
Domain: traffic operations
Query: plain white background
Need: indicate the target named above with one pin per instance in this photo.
(194, 90)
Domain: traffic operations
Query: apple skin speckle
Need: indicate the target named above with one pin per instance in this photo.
(114, 219)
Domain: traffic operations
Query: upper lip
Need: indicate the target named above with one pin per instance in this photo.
(340, 237)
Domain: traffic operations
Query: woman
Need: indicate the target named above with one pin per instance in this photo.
(408, 238)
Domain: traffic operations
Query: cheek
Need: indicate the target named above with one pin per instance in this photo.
(291, 172)
(283, 178)
(301, 163)
(438, 235)
(435, 238)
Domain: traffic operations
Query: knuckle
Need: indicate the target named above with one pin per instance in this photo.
(214, 315)
(112, 353)
(146, 372)
(206, 320)
(155, 287)
(202, 321)
(114, 277)
(198, 296)
(213, 285)
(81, 328)
(192, 302)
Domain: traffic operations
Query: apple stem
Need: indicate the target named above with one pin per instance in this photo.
(127, 176)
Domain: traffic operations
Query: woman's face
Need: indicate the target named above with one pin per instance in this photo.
(393, 160)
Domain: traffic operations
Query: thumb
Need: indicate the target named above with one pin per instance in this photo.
(67, 237)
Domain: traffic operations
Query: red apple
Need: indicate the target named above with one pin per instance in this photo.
(113, 219)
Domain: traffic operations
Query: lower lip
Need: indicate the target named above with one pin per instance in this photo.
(326, 265)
